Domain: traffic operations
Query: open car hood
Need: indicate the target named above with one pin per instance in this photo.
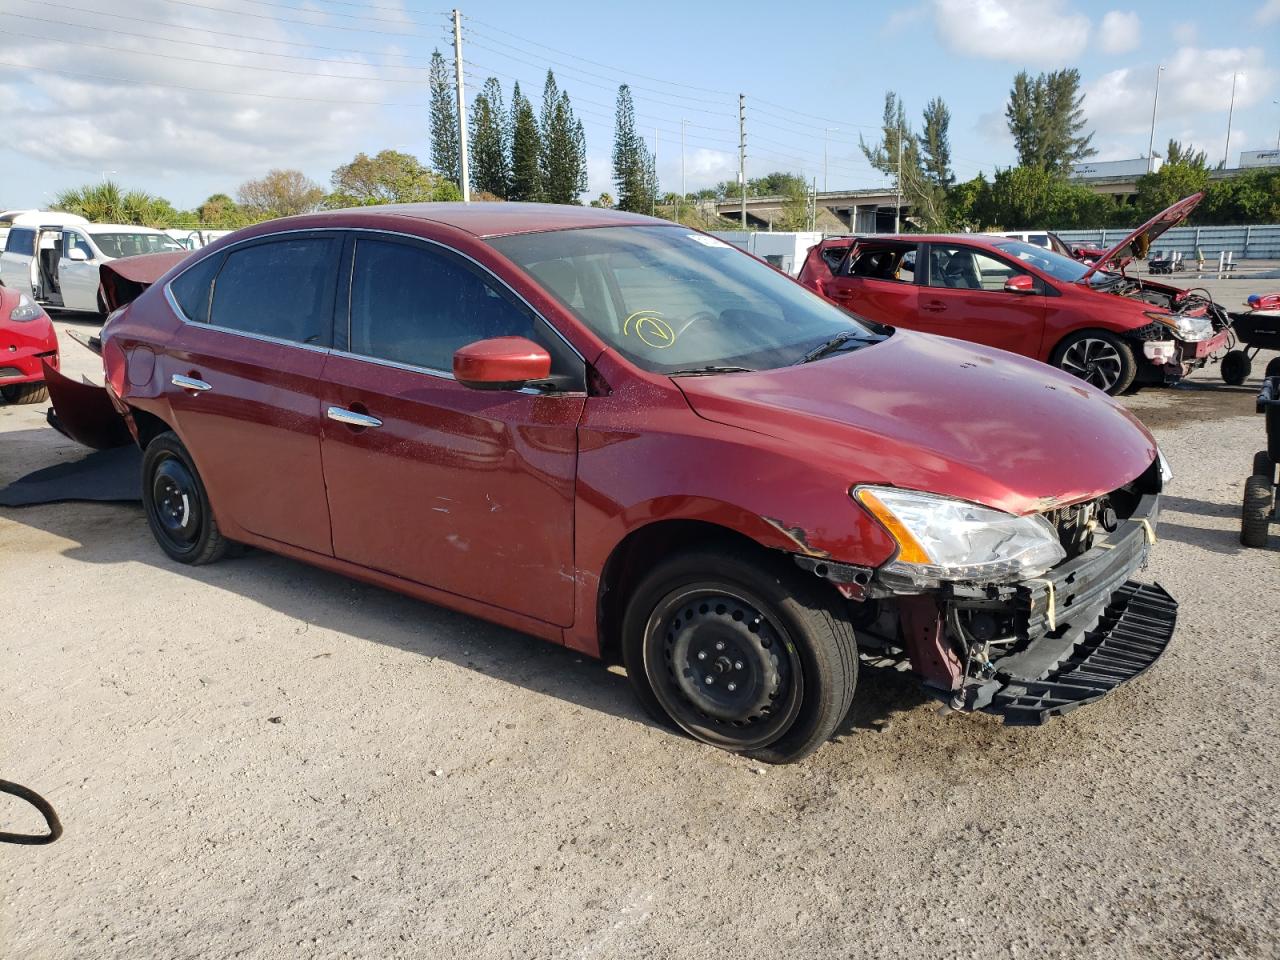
(1137, 245)
(122, 281)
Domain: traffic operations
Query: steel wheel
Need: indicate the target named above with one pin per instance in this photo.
(1095, 361)
(724, 671)
(175, 503)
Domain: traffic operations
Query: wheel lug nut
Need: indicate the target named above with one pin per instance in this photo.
(737, 664)
(719, 644)
(702, 654)
(733, 687)
(709, 680)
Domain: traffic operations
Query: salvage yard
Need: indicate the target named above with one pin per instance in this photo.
(261, 759)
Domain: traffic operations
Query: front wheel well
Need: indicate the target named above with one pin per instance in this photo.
(639, 551)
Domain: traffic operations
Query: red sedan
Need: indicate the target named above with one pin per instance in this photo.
(1106, 328)
(27, 341)
(626, 436)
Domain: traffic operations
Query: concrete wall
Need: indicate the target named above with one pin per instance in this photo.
(1256, 242)
(786, 251)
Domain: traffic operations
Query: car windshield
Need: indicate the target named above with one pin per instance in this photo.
(1054, 264)
(116, 245)
(674, 301)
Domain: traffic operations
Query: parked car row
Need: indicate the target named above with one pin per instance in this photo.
(629, 437)
(1106, 328)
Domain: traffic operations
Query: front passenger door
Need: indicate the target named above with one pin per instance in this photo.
(78, 273)
(966, 298)
(468, 491)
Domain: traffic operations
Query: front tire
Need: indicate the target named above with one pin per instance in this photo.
(176, 504)
(1099, 358)
(741, 653)
(1255, 511)
(24, 393)
(1236, 367)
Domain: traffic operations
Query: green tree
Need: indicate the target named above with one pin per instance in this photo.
(1046, 117)
(446, 154)
(221, 212)
(632, 163)
(281, 193)
(388, 177)
(897, 154)
(526, 149)
(1187, 156)
(105, 202)
(1166, 186)
(935, 143)
(490, 151)
(564, 146)
(605, 200)
(1030, 198)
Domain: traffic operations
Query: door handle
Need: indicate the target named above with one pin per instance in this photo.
(189, 383)
(351, 418)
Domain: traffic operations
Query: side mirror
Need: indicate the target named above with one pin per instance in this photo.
(75, 253)
(500, 363)
(1020, 284)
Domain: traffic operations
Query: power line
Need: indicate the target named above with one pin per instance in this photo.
(277, 19)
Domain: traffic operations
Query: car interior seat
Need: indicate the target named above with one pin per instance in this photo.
(961, 272)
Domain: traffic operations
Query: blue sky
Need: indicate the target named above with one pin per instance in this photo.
(191, 97)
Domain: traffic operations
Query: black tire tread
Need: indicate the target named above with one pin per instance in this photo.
(1263, 466)
(1238, 365)
(1255, 511)
(25, 392)
(830, 637)
(1129, 363)
(214, 546)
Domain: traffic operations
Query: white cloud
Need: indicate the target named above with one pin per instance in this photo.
(1186, 33)
(1269, 12)
(1119, 32)
(1029, 32)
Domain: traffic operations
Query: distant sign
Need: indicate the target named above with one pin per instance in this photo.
(1260, 158)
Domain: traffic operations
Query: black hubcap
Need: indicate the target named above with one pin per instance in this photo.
(175, 503)
(724, 670)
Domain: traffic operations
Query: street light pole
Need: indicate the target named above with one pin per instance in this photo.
(1226, 153)
(1151, 142)
(1277, 104)
(897, 205)
(465, 173)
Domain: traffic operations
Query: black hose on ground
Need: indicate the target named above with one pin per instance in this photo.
(41, 804)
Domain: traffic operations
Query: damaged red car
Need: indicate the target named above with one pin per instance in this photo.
(628, 437)
(27, 342)
(1106, 328)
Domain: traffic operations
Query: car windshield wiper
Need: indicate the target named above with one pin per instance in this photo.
(830, 346)
(708, 369)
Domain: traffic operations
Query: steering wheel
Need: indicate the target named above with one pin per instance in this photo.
(700, 315)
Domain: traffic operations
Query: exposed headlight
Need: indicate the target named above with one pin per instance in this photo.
(1186, 328)
(944, 539)
(1166, 471)
(27, 309)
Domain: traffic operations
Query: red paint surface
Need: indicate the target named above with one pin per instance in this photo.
(22, 343)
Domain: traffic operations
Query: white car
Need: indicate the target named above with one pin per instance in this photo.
(55, 262)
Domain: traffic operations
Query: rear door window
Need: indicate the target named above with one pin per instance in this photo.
(416, 305)
(21, 241)
(883, 262)
(282, 289)
(192, 288)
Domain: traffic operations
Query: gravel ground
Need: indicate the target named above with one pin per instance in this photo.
(258, 759)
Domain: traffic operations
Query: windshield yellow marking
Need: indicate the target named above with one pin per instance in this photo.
(650, 328)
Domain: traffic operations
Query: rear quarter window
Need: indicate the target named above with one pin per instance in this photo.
(192, 288)
(21, 241)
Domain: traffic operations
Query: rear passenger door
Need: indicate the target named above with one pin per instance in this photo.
(468, 491)
(877, 281)
(243, 384)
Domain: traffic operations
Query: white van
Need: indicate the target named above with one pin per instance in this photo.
(55, 259)
(7, 218)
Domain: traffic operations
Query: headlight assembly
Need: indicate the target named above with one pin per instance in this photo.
(941, 539)
(27, 309)
(1185, 328)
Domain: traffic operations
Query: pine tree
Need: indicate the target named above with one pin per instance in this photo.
(526, 150)
(1046, 118)
(935, 143)
(445, 151)
(564, 150)
(490, 132)
(631, 161)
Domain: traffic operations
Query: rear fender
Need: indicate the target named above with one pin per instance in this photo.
(85, 413)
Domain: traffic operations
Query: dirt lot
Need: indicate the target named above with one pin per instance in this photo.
(258, 759)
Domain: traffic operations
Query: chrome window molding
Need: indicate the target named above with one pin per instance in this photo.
(247, 334)
(367, 230)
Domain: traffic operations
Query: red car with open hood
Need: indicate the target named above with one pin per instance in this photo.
(623, 435)
(1107, 328)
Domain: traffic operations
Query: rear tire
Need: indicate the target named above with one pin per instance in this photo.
(1099, 358)
(177, 506)
(1255, 511)
(1273, 367)
(24, 393)
(741, 653)
(1236, 367)
(1262, 465)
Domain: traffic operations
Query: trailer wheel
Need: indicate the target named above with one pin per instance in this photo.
(1236, 367)
(1273, 367)
(1255, 511)
(1262, 465)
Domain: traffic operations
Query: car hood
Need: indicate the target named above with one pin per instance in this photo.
(1137, 244)
(940, 415)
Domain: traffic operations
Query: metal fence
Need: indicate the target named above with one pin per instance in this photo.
(1260, 242)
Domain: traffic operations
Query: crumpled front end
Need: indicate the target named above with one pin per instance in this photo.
(1033, 648)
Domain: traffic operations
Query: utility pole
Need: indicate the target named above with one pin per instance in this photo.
(897, 206)
(683, 190)
(742, 155)
(462, 106)
(653, 204)
(1151, 142)
(1226, 154)
(825, 131)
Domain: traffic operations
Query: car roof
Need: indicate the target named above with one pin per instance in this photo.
(92, 228)
(977, 239)
(494, 219)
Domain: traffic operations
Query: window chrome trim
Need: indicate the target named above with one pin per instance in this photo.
(249, 335)
(367, 230)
